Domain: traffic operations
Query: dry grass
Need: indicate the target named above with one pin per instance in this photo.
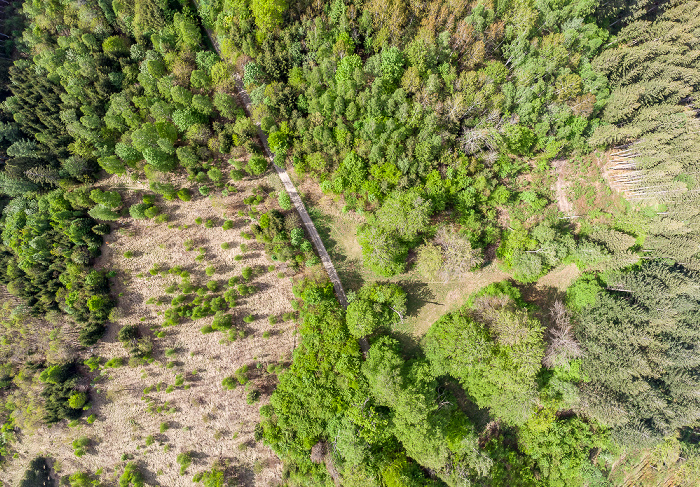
(212, 422)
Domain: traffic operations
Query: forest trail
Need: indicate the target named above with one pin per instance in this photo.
(296, 199)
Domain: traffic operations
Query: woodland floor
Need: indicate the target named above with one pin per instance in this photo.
(207, 420)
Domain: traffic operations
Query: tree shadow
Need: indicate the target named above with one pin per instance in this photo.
(348, 268)
(543, 297)
(418, 295)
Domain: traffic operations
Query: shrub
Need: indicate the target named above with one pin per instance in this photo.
(204, 190)
(138, 211)
(77, 400)
(210, 271)
(151, 212)
(284, 200)
(253, 396)
(114, 362)
(247, 273)
(249, 319)
(184, 459)
(100, 212)
(228, 225)
(93, 363)
(184, 194)
(215, 174)
(222, 321)
(164, 427)
(225, 246)
(131, 476)
(257, 165)
(209, 223)
(241, 375)
(80, 445)
(212, 286)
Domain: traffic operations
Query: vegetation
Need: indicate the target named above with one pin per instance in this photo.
(518, 140)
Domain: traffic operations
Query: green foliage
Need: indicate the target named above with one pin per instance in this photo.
(640, 315)
(257, 165)
(382, 252)
(109, 199)
(184, 459)
(138, 210)
(268, 13)
(495, 350)
(77, 400)
(131, 477)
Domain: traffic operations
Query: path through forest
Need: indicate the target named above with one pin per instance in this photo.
(296, 200)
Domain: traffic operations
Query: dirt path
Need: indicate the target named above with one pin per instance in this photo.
(296, 200)
(560, 186)
(299, 205)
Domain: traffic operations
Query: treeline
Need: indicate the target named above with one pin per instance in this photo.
(426, 107)
(494, 395)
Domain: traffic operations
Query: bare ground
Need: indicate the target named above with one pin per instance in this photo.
(208, 420)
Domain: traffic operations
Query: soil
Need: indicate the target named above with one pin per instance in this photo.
(211, 422)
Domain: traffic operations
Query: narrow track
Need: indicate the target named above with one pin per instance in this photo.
(298, 204)
(296, 200)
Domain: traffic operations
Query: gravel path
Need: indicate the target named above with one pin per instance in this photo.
(296, 199)
(299, 205)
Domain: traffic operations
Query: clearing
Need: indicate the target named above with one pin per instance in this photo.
(200, 415)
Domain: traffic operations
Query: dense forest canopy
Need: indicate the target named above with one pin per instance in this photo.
(531, 137)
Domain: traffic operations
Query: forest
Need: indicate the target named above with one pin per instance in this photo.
(508, 190)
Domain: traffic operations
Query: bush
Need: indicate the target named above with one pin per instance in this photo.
(80, 445)
(100, 212)
(138, 211)
(241, 375)
(284, 200)
(114, 362)
(228, 225)
(184, 459)
(109, 199)
(249, 319)
(131, 476)
(184, 194)
(151, 212)
(212, 286)
(210, 271)
(229, 383)
(77, 400)
(247, 273)
(257, 165)
(128, 333)
(93, 363)
(253, 396)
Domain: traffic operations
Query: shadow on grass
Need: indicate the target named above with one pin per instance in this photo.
(348, 269)
(419, 294)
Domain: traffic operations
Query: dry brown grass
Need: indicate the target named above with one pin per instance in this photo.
(209, 420)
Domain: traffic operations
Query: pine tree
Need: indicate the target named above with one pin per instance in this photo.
(641, 344)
